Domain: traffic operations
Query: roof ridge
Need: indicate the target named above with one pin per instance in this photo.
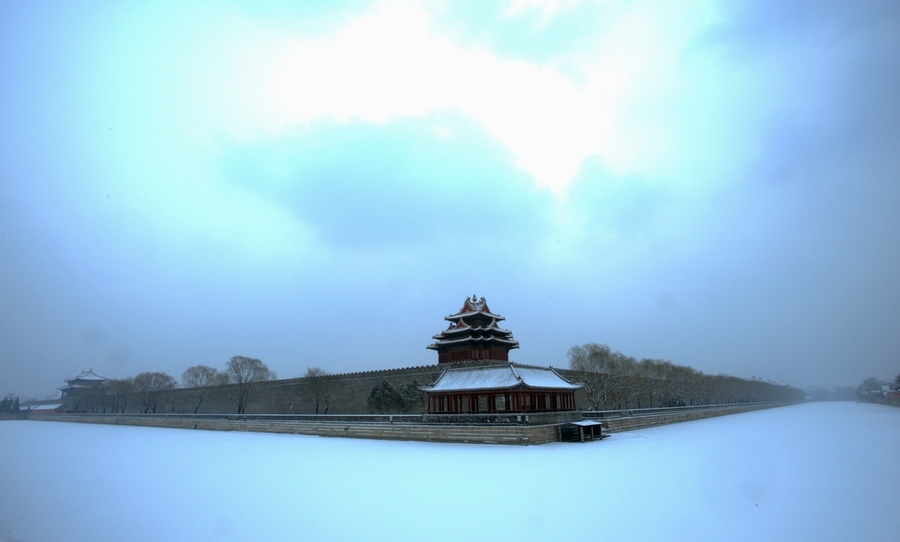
(513, 369)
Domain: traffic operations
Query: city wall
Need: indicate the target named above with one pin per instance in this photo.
(628, 420)
(346, 393)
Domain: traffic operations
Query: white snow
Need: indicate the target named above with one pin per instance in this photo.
(821, 471)
(499, 377)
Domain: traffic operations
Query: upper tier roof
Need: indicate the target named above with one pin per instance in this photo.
(87, 375)
(472, 307)
(474, 323)
(461, 326)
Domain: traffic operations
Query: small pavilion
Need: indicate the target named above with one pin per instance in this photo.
(500, 388)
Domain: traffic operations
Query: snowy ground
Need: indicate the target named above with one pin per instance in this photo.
(822, 471)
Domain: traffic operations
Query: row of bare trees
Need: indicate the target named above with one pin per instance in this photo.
(613, 380)
(242, 383)
(239, 381)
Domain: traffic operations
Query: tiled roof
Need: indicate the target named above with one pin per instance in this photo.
(499, 377)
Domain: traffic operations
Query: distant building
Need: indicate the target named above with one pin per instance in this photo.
(47, 408)
(81, 385)
(473, 334)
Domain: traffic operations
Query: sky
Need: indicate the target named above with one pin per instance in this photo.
(320, 183)
(781, 474)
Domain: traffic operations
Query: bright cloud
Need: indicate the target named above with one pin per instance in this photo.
(393, 62)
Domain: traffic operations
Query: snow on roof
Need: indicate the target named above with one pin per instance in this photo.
(471, 307)
(499, 377)
(52, 406)
(87, 375)
(462, 326)
(543, 378)
(586, 423)
(459, 315)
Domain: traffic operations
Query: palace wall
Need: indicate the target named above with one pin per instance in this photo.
(348, 393)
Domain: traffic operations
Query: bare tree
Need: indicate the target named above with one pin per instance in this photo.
(93, 399)
(246, 374)
(202, 379)
(149, 386)
(622, 382)
(319, 388)
(119, 391)
(592, 364)
(653, 374)
(608, 374)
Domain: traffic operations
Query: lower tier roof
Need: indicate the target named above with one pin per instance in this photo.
(499, 377)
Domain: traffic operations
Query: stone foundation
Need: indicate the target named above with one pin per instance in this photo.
(477, 434)
(522, 429)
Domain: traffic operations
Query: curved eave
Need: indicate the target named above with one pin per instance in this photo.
(515, 387)
(495, 340)
(86, 376)
(483, 329)
(503, 377)
(79, 387)
(461, 315)
(456, 340)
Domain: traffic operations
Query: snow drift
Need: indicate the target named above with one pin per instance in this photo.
(820, 471)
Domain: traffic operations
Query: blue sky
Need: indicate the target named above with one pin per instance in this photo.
(318, 184)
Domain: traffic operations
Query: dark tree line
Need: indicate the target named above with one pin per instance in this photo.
(240, 382)
(613, 380)
(385, 399)
(9, 404)
(874, 390)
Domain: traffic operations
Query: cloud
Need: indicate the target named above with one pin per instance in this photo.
(395, 62)
(409, 183)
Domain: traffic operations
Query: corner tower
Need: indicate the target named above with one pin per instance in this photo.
(473, 335)
(82, 384)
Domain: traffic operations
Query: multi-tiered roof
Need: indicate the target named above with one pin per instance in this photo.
(82, 383)
(474, 335)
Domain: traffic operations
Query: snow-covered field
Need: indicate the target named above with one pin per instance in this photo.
(821, 471)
